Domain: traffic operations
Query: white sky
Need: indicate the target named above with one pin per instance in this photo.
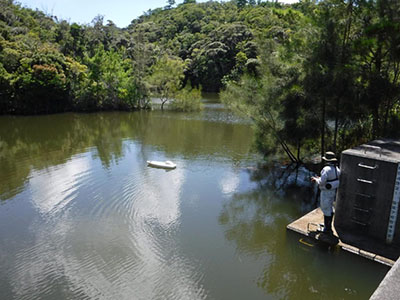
(83, 11)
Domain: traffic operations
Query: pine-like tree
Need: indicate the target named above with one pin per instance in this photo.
(241, 3)
(170, 4)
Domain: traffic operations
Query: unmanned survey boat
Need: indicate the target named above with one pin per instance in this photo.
(161, 164)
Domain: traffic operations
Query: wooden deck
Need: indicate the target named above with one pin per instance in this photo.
(308, 224)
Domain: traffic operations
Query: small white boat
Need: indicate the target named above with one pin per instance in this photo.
(161, 164)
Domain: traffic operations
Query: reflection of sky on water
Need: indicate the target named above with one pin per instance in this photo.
(160, 197)
(53, 188)
(229, 182)
(102, 225)
(125, 249)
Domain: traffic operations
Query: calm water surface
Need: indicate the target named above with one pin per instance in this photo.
(83, 217)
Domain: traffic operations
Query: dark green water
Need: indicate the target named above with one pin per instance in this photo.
(83, 217)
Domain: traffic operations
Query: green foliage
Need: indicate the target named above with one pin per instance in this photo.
(333, 75)
(166, 78)
(259, 100)
(313, 73)
(109, 84)
(215, 40)
(170, 4)
(206, 35)
(36, 79)
(241, 3)
(49, 66)
(187, 100)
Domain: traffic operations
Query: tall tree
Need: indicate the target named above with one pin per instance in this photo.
(378, 58)
(166, 78)
(170, 4)
(241, 3)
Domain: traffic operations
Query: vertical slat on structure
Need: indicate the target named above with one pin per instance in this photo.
(394, 209)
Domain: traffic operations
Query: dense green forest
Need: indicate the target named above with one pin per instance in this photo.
(311, 75)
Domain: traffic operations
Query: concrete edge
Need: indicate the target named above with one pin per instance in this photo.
(389, 288)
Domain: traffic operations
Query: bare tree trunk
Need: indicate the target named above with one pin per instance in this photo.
(288, 152)
(346, 35)
(162, 104)
(323, 127)
(376, 102)
(298, 150)
(385, 121)
(336, 124)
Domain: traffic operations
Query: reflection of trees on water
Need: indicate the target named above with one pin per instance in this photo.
(277, 200)
(286, 181)
(35, 143)
(256, 222)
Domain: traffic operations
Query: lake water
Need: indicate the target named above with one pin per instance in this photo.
(83, 217)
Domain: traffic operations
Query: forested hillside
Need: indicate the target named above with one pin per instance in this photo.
(48, 65)
(314, 74)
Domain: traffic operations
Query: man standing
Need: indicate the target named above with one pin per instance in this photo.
(328, 183)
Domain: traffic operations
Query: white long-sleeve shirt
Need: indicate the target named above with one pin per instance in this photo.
(327, 174)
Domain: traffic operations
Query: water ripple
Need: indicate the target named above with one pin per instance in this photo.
(117, 243)
(53, 188)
